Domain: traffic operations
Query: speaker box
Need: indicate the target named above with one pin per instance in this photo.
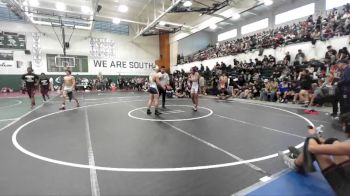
(27, 52)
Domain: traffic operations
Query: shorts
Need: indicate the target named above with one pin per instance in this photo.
(69, 92)
(338, 176)
(44, 90)
(223, 91)
(31, 91)
(194, 89)
(153, 91)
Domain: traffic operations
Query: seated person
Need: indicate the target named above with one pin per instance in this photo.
(269, 92)
(283, 89)
(236, 88)
(169, 91)
(247, 93)
(332, 156)
(223, 79)
(305, 87)
(180, 93)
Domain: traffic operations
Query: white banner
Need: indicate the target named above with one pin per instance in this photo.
(9, 67)
(120, 67)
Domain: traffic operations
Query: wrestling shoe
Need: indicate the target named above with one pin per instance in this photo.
(157, 113)
(149, 112)
(287, 161)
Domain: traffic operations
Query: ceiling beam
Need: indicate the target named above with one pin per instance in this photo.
(123, 20)
(154, 22)
(92, 25)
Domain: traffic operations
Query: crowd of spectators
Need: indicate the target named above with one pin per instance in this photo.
(101, 83)
(335, 23)
(310, 83)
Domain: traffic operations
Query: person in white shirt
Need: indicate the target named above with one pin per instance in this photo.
(164, 81)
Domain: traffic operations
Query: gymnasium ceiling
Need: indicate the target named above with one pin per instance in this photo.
(140, 13)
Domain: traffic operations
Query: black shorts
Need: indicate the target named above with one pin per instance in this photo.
(44, 90)
(338, 176)
(224, 91)
(153, 91)
(31, 91)
(70, 95)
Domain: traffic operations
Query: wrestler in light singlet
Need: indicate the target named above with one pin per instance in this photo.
(68, 87)
(194, 78)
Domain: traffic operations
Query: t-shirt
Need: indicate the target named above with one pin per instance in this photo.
(287, 57)
(305, 83)
(282, 87)
(163, 78)
(44, 82)
(30, 79)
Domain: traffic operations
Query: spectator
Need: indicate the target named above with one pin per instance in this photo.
(305, 87)
(286, 60)
(344, 87)
(330, 56)
(269, 92)
(283, 89)
(300, 58)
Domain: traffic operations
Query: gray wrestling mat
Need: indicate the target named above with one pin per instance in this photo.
(109, 146)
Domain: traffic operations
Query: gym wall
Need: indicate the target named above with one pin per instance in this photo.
(132, 57)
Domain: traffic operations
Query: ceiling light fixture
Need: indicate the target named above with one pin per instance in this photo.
(236, 16)
(123, 8)
(85, 9)
(268, 2)
(213, 26)
(60, 6)
(33, 3)
(116, 20)
(187, 3)
(162, 23)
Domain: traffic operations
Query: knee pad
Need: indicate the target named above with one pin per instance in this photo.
(309, 158)
(70, 95)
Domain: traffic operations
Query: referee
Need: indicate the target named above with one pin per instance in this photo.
(164, 81)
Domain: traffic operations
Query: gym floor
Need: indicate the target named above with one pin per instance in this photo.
(109, 146)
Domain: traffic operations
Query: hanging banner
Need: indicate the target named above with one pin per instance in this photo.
(121, 67)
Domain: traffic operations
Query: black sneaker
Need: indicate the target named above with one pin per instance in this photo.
(149, 112)
(157, 113)
(334, 115)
